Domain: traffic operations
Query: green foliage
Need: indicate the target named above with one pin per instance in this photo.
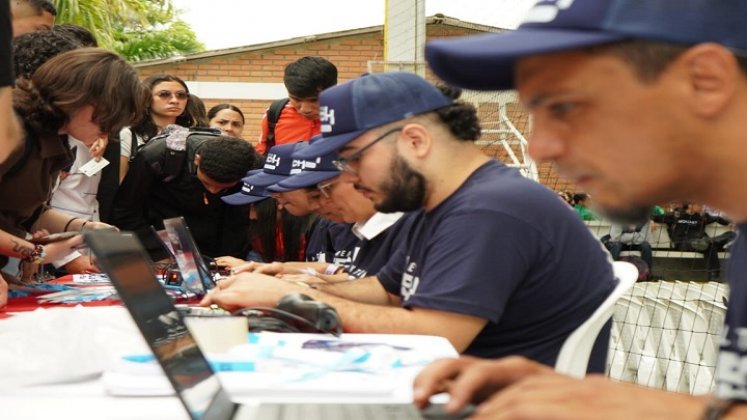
(136, 29)
(144, 44)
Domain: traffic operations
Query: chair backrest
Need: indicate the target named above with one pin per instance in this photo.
(573, 358)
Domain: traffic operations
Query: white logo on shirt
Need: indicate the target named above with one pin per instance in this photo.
(409, 282)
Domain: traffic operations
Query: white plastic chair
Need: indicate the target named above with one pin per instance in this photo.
(573, 358)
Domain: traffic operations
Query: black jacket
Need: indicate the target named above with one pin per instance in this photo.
(161, 184)
(683, 227)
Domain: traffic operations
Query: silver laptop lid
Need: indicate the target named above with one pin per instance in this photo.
(195, 273)
(132, 273)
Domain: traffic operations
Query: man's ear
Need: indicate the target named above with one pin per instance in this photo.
(416, 139)
(197, 160)
(713, 74)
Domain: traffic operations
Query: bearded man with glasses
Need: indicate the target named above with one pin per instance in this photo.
(493, 261)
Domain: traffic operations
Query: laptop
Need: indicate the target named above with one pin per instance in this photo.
(133, 275)
(196, 276)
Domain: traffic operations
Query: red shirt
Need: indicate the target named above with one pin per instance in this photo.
(291, 127)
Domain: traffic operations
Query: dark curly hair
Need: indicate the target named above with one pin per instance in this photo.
(459, 116)
(81, 34)
(33, 49)
(75, 79)
(227, 159)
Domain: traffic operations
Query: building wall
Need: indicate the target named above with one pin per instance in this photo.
(265, 68)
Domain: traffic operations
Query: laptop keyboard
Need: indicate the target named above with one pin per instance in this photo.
(338, 412)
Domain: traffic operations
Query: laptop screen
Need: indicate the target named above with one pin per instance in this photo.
(132, 273)
(196, 276)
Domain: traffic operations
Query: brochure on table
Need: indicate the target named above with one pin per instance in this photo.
(314, 366)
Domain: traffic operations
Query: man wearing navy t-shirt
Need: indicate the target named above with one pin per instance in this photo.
(494, 262)
(638, 102)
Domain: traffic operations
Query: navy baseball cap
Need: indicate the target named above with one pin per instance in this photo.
(249, 193)
(486, 62)
(309, 172)
(354, 107)
(278, 164)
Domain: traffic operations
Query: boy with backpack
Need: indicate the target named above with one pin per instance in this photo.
(296, 118)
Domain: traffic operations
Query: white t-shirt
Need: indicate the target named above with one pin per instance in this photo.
(76, 193)
(125, 145)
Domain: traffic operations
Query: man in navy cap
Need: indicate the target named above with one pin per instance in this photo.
(369, 240)
(489, 253)
(324, 238)
(638, 102)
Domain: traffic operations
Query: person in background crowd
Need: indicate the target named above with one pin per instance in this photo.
(228, 118)
(638, 102)
(31, 16)
(166, 105)
(566, 197)
(196, 109)
(33, 49)
(274, 234)
(686, 227)
(298, 119)
(81, 34)
(581, 203)
(631, 237)
(190, 185)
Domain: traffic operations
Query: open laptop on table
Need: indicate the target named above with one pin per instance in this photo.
(132, 273)
(196, 275)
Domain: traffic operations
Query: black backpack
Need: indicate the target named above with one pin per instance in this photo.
(273, 115)
(170, 165)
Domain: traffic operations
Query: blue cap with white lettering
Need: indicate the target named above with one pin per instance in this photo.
(249, 193)
(350, 109)
(486, 62)
(278, 164)
(310, 171)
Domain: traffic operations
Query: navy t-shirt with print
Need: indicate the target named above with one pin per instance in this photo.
(506, 249)
(731, 369)
(371, 255)
(331, 242)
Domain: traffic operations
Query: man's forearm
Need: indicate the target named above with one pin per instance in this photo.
(358, 317)
(366, 290)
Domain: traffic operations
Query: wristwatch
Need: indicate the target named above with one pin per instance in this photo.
(36, 256)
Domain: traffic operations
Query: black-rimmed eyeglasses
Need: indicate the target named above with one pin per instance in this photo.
(343, 164)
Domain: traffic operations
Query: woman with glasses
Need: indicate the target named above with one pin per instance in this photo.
(167, 104)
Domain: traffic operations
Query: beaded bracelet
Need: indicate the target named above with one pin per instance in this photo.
(36, 256)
